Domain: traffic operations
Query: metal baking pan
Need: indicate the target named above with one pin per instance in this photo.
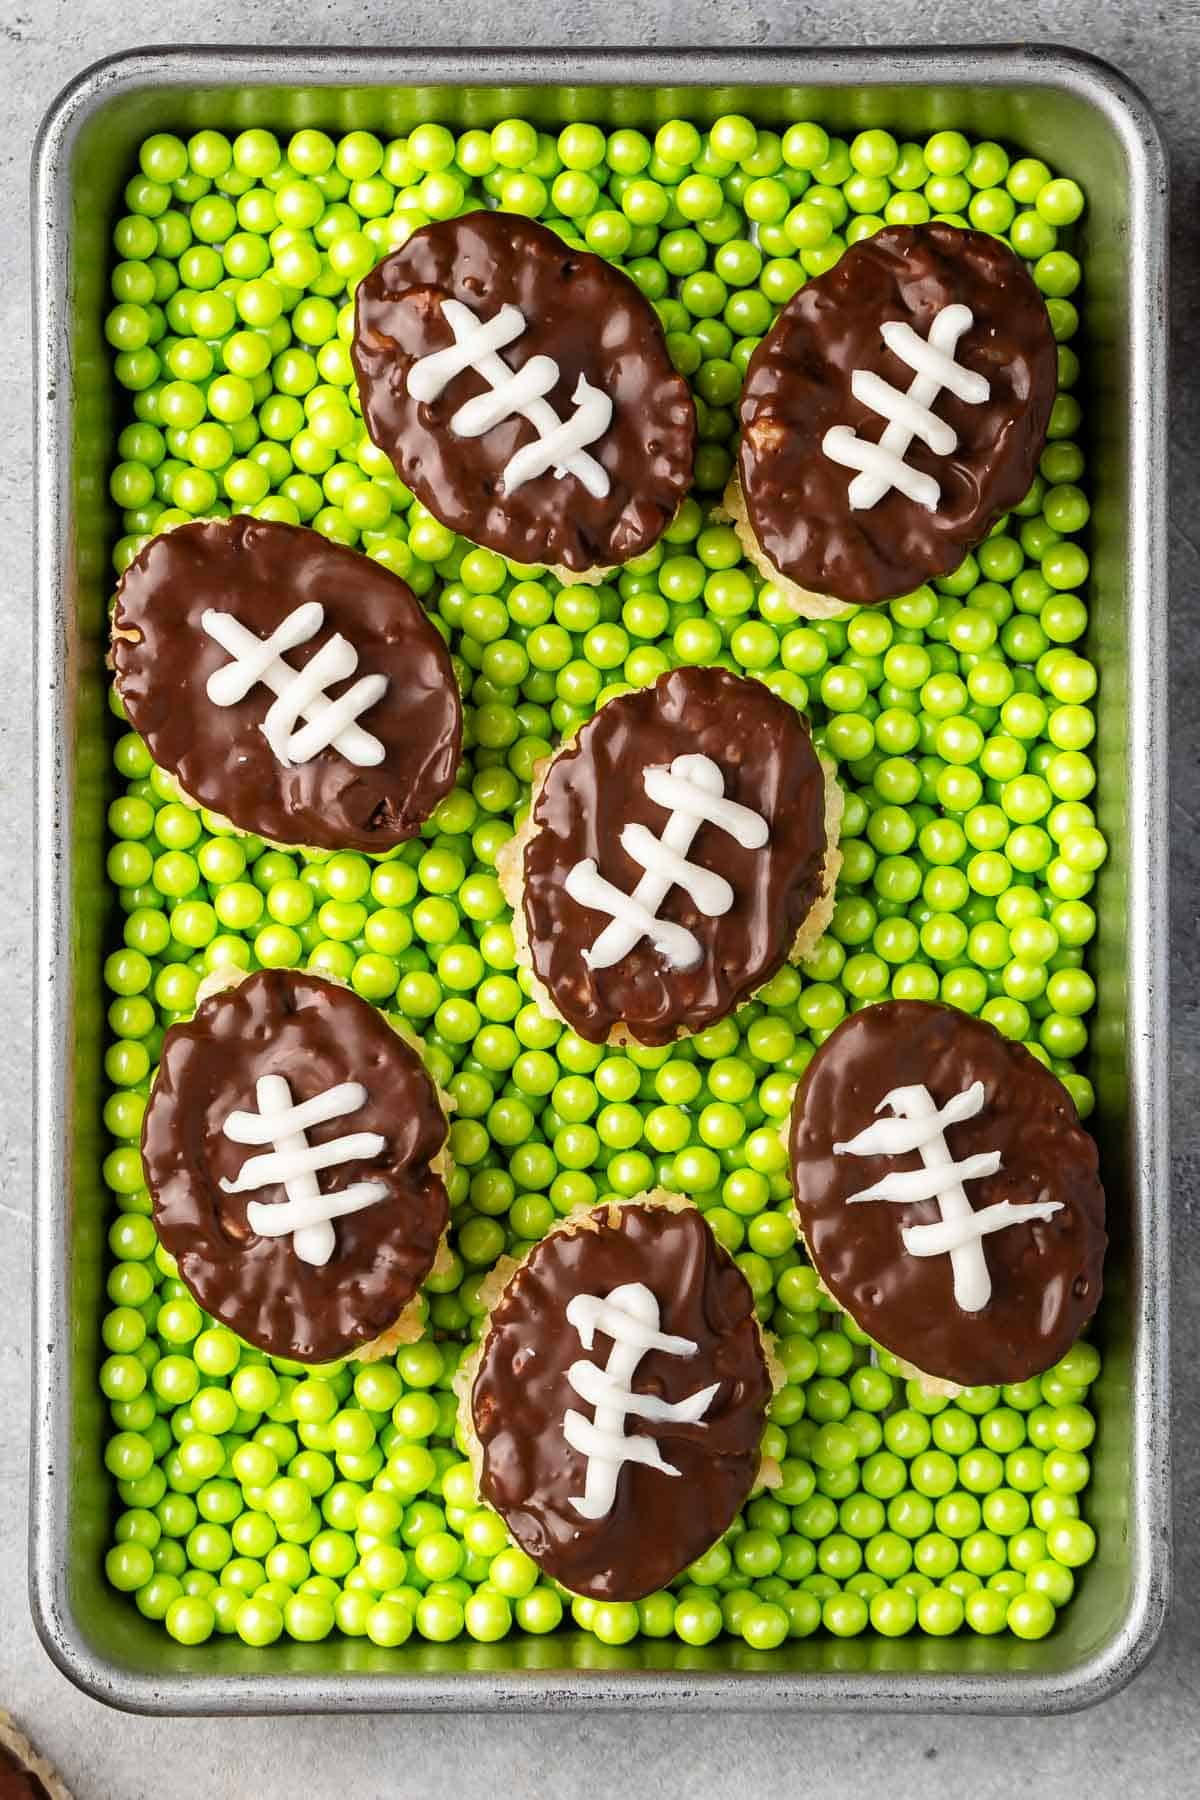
(1087, 122)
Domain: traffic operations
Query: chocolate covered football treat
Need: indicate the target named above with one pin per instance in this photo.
(895, 410)
(678, 849)
(947, 1193)
(289, 683)
(524, 392)
(294, 1148)
(24, 1775)
(616, 1403)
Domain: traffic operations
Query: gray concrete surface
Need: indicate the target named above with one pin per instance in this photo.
(1144, 1742)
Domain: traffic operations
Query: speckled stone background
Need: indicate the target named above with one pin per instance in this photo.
(1143, 1743)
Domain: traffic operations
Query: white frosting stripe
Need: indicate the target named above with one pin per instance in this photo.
(618, 939)
(949, 1234)
(264, 1126)
(560, 446)
(337, 717)
(254, 656)
(891, 1137)
(617, 1318)
(910, 1185)
(520, 393)
(293, 1163)
(711, 892)
(334, 662)
(300, 692)
(512, 395)
(933, 357)
(598, 1388)
(844, 446)
(881, 466)
(304, 1215)
(691, 794)
(883, 398)
(960, 1231)
(315, 1241)
(587, 887)
(283, 1166)
(605, 1450)
(630, 1317)
(694, 788)
(431, 375)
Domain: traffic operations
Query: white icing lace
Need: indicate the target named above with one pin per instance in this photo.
(300, 692)
(630, 1317)
(292, 1162)
(522, 392)
(959, 1233)
(693, 788)
(882, 465)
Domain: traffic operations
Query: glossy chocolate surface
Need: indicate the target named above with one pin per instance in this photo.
(317, 1035)
(798, 386)
(592, 320)
(658, 1523)
(260, 571)
(17, 1782)
(594, 788)
(1045, 1274)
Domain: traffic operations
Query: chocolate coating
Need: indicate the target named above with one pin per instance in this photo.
(798, 386)
(280, 1022)
(593, 789)
(1046, 1274)
(593, 321)
(658, 1523)
(260, 571)
(17, 1781)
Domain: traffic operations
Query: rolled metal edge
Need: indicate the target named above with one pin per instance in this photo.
(1129, 117)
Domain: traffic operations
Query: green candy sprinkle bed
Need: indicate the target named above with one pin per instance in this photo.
(261, 1499)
